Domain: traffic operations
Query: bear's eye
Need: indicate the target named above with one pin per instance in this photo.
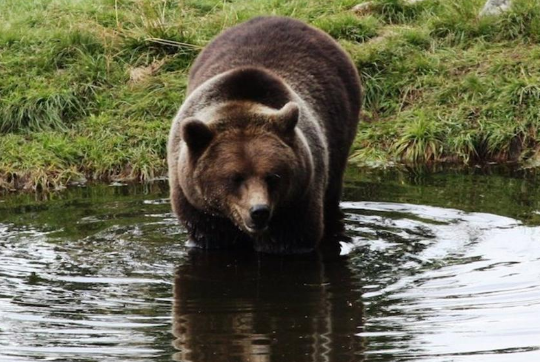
(237, 179)
(272, 179)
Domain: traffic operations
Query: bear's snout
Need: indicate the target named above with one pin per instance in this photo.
(260, 215)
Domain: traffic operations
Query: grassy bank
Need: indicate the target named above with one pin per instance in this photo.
(88, 88)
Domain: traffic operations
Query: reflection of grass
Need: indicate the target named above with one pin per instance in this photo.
(440, 84)
(77, 213)
(499, 190)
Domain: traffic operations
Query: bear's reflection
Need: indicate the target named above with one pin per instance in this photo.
(249, 307)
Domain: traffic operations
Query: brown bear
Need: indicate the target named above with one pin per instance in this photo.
(257, 151)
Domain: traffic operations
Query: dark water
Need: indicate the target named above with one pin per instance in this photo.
(442, 267)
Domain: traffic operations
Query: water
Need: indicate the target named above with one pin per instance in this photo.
(442, 267)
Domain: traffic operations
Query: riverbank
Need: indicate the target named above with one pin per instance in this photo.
(89, 88)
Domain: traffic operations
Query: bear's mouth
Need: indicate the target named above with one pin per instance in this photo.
(255, 230)
(246, 226)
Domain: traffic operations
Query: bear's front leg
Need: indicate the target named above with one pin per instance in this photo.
(213, 232)
(210, 232)
(207, 231)
(297, 229)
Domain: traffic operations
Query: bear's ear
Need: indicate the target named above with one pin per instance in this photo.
(286, 118)
(196, 134)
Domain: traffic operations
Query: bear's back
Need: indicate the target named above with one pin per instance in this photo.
(310, 61)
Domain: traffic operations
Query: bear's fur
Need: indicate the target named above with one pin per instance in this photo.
(270, 116)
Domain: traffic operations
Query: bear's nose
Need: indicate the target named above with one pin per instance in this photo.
(260, 215)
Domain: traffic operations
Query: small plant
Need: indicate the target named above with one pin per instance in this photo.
(401, 11)
(349, 27)
(419, 141)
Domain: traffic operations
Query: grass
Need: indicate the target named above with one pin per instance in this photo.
(446, 86)
(89, 88)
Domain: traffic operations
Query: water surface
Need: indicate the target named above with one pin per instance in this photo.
(442, 267)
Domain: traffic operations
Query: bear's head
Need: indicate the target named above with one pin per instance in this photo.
(243, 161)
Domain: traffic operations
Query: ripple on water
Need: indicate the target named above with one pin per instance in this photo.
(470, 291)
(99, 297)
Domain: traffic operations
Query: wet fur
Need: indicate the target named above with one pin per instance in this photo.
(271, 61)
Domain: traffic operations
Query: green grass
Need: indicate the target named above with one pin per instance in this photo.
(441, 85)
(446, 86)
